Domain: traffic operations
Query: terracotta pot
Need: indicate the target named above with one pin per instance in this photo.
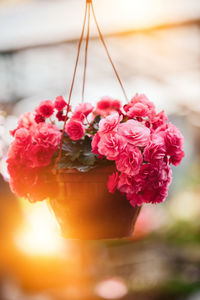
(86, 210)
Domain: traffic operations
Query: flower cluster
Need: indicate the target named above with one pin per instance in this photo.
(138, 141)
(143, 145)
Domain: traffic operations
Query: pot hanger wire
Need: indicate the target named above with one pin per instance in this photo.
(87, 15)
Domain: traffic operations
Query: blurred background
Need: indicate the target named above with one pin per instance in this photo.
(155, 45)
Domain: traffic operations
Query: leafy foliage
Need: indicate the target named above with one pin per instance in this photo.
(78, 155)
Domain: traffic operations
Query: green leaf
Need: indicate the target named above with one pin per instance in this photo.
(87, 159)
(85, 168)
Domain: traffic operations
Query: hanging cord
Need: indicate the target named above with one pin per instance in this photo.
(108, 54)
(87, 13)
(86, 51)
(72, 85)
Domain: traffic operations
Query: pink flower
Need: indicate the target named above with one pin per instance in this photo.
(116, 105)
(174, 144)
(159, 178)
(177, 158)
(60, 116)
(140, 106)
(155, 175)
(105, 103)
(47, 135)
(127, 184)
(111, 145)
(22, 137)
(59, 103)
(129, 161)
(135, 133)
(82, 111)
(155, 150)
(46, 108)
(39, 119)
(109, 123)
(75, 129)
(155, 179)
(112, 182)
(41, 155)
(94, 144)
(159, 119)
(29, 156)
(44, 143)
(26, 121)
(22, 181)
(135, 199)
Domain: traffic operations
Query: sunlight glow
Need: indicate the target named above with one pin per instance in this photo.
(137, 13)
(113, 288)
(132, 14)
(40, 234)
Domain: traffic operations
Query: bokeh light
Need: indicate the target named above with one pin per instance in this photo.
(40, 234)
(112, 288)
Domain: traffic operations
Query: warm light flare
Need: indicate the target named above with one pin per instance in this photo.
(40, 235)
(132, 14)
(112, 288)
(138, 14)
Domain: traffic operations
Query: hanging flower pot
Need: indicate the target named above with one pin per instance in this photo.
(85, 209)
(97, 165)
(106, 163)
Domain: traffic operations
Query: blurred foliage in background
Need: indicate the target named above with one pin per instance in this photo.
(156, 48)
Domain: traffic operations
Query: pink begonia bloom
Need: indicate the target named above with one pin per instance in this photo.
(82, 111)
(177, 158)
(45, 108)
(17, 156)
(111, 145)
(28, 155)
(109, 123)
(140, 106)
(75, 129)
(105, 103)
(22, 137)
(21, 182)
(158, 178)
(135, 133)
(174, 144)
(138, 110)
(156, 174)
(95, 142)
(112, 182)
(40, 149)
(47, 134)
(135, 199)
(129, 161)
(156, 149)
(155, 182)
(116, 104)
(159, 119)
(60, 103)
(60, 116)
(127, 184)
(39, 119)
(26, 120)
(40, 155)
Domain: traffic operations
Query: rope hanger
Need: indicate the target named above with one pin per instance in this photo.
(88, 8)
(89, 5)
